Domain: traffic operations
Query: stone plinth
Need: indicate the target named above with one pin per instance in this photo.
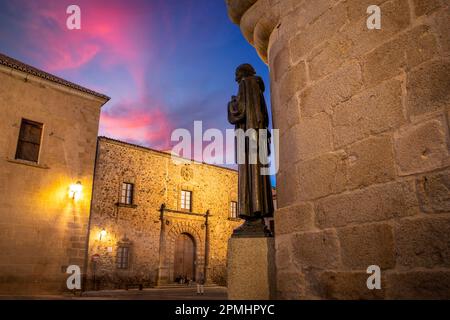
(251, 268)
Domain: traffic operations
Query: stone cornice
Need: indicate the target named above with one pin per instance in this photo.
(237, 8)
(257, 20)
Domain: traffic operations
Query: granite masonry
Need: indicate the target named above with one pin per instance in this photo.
(364, 173)
(156, 225)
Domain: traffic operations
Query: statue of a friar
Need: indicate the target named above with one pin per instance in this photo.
(248, 112)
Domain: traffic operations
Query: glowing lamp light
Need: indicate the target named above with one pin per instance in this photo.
(75, 190)
(102, 234)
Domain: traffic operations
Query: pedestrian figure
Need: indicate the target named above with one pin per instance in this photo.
(201, 284)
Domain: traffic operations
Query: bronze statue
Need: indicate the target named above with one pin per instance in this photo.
(248, 111)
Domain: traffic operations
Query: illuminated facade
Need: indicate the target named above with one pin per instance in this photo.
(155, 220)
(47, 151)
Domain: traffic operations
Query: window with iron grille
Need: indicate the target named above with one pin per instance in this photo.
(29, 142)
(123, 257)
(127, 193)
(233, 210)
(186, 198)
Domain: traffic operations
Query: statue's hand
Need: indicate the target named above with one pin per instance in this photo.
(232, 105)
(235, 115)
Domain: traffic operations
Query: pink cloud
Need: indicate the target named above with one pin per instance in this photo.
(149, 127)
(74, 59)
(117, 36)
(110, 30)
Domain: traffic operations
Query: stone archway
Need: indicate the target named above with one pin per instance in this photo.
(176, 227)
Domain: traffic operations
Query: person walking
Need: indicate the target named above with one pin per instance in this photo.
(201, 284)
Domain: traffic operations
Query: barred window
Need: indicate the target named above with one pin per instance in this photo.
(29, 142)
(123, 257)
(186, 198)
(233, 210)
(127, 193)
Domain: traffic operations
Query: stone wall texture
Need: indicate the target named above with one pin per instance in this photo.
(42, 229)
(364, 143)
(157, 179)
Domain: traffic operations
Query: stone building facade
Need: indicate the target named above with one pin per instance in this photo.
(363, 116)
(165, 237)
(49, 130)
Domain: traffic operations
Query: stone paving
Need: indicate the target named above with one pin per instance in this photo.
(179, 293)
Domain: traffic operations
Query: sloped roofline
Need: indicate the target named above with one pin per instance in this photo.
(21, 66)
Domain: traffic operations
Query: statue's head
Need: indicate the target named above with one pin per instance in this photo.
(244, 70)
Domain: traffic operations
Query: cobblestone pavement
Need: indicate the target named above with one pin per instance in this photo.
(183, 293)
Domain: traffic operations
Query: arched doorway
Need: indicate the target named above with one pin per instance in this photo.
(185, 252)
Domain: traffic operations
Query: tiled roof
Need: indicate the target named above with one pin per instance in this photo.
(17, 65)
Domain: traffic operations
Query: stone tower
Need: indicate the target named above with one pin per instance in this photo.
(364, 143)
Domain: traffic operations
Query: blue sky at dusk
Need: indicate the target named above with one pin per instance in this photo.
(164, 63)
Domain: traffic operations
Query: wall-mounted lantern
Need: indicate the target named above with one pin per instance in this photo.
(75, 190)
(102, 234)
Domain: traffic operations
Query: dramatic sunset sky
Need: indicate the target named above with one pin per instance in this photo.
(164, 63)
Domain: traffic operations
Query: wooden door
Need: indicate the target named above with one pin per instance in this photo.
(184, 257)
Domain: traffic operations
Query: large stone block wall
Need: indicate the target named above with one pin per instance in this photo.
(43, 230)
(364, 143)
(157, 180)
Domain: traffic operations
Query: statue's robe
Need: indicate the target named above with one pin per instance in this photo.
(249, 111)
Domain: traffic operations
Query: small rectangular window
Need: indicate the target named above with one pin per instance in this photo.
(126, 196)
(29, 142)
(123, 257)
(233, 210)
(186, 198)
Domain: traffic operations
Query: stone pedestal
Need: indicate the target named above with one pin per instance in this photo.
(251, 268)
